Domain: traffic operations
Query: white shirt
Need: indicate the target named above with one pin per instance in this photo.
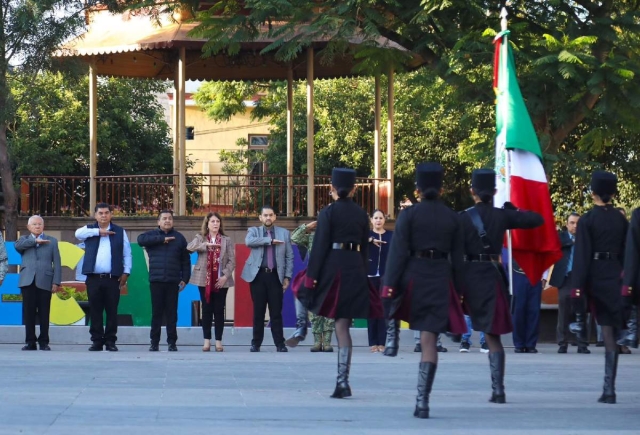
(103, 259)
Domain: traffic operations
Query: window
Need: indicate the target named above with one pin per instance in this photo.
(258, 141)
(190, 133)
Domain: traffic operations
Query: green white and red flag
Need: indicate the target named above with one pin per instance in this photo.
(520, 175)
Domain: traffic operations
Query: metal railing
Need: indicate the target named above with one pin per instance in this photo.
(143, 195)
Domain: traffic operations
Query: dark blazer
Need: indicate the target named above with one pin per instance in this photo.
(560, 268)
(39, 263)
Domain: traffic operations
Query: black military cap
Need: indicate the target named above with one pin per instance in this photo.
(344, 178)
(483, 180)
(429, 175)
(604, 183)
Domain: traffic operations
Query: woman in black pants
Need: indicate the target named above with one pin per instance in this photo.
(379, 240)
(213, 274)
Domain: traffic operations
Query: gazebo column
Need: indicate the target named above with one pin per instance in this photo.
(290, 140)
(311, 200)
(175, 127)
(376, 143)
(182, 210)
(93, 136)
(390, 144)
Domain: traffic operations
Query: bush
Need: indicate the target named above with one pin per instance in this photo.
(64, 293)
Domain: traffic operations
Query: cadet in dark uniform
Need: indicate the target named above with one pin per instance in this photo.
(485, 288)
(631, 281)
(424, 257)
(597, 271)
(336, 281)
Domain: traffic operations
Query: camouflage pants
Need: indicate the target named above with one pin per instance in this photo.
(321, 324)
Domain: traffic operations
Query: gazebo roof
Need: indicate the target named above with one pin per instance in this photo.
(134, 45)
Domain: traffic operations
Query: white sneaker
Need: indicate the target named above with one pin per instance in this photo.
(484, 348)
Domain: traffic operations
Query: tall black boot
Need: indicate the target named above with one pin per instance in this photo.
(344, 365)
(610, 371)
(629, 336)
(393, 338)
(426, 375)
(496, 365)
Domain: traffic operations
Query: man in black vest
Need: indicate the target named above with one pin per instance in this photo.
(107, 264)
(169, 271)
(561, 279)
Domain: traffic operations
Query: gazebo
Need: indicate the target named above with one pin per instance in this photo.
(134, 45)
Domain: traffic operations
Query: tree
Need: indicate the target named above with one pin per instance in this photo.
(49, 135)
(577, 58)
(29, 32)
(577, 61)
(429, 126)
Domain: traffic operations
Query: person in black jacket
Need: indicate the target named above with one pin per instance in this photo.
(631, 281)
(425, 257)
(485, 289)
(561, 279)
(597, 272)
(169, 271)
(336, 283)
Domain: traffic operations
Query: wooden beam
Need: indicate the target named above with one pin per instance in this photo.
(311, 206)
(175, 127)
(93, 136)
(390, 144)
(376, 143)
(290, 140)
(182, 210)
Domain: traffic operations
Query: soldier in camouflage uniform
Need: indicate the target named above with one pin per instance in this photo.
(321, 327)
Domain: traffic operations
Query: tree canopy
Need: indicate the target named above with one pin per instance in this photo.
(49, 134)
(29, 33)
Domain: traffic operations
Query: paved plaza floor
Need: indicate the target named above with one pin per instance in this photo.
(72, 391)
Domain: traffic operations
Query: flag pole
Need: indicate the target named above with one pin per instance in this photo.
(505, 76)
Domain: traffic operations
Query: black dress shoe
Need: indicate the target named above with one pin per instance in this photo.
(29, 347)
(532, 350)
(583, 349)
(96, 347)
(254, 348)
(111, 347)
(282, 348)
(418, 348)
(520, 350)
(562, 348)
(173, 347)
(155, 347)
(44, 347)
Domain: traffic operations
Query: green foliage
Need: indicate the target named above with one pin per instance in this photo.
(430, 125)
(49, 135)
(64, 293)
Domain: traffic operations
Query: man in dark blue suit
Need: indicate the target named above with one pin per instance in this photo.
(561, 279)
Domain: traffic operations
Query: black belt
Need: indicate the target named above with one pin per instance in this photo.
(481, 258)
(104, 275)
(431, 254)
(346, 246)
(606, 256)
(267, 270)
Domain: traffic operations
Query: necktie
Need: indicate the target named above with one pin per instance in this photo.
(570, 264)
(269, 252)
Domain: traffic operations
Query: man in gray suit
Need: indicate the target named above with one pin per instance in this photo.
(40, 276)
(268, 271)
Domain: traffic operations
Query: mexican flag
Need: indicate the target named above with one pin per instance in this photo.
(520, 174)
